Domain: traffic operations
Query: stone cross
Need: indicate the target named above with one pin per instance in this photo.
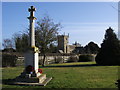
(32, 31)
(31, 75)
(31, 57)
(31, 10)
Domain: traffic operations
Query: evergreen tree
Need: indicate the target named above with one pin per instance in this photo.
(109, 53)
(91, 48)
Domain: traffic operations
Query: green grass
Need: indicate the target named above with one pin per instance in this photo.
(71, 75)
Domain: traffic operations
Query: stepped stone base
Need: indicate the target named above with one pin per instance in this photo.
(41, 80)
(34, 83)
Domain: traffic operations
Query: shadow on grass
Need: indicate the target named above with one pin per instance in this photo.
(11, 82)
(83, 65)
(7, 81)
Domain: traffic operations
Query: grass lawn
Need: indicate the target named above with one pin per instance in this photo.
(70, 75)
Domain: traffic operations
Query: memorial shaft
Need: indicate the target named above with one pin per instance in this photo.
(32, 54)
(32, 31)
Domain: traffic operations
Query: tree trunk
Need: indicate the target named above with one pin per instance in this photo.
(43, 64)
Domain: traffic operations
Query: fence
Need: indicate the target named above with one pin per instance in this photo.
(18, 59)
(54, 59)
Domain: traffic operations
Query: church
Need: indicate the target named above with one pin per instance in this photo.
(64, 47)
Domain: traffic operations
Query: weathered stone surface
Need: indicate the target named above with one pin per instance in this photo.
(41, 80)
(31, 58)
(30, 79)
(33, 83)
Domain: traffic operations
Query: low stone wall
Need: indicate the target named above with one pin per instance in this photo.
(20, 61)
(60, 58)
(54, 59)
(16, 59)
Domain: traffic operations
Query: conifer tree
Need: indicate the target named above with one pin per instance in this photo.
(109, 53)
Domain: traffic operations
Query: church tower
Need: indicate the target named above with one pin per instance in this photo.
(63, 43)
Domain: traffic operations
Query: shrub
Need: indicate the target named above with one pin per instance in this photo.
(86, 58)
(9, 60)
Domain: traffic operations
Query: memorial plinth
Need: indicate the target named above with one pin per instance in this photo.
(31, 58)
(31, 75)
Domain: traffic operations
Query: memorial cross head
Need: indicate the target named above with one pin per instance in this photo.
(31, 10)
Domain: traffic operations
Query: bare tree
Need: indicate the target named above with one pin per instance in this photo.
(8, 43)
(46, 33)
(21, 41)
